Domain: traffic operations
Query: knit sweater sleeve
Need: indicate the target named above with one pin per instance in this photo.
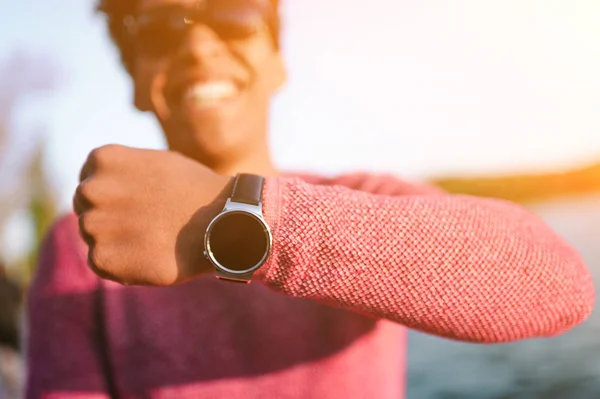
(465, 268)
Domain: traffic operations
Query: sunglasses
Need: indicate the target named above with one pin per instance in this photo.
(159, 32)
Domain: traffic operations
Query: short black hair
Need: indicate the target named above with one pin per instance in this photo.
(117, 10)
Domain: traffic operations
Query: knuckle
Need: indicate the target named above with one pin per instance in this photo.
(85, 229)
(101, 158)
(96, 263)
(86, 190)
(99, 155)
(77, 205)
(107, 150)
(90, 225)
(94, 155)
(84, 222)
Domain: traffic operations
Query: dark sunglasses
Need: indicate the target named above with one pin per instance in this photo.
(159, 32)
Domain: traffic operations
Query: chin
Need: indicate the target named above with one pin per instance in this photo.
(214, 142)
(210, 150)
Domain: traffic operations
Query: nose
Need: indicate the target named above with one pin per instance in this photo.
(200, 42)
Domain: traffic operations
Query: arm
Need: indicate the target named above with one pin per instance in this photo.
(460, 267)
(62, 353)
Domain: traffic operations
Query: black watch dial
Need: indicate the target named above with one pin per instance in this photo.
(238, 241)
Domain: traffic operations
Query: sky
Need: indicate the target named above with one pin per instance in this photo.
(416, 88)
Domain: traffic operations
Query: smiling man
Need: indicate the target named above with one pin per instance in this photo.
(125, 302)
(210, 86)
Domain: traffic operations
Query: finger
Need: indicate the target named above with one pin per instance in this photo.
(86, 170)
(92, 264)
(76, 204)
(83, 232)
(80, 202)
(89, 166)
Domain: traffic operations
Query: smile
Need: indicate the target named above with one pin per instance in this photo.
(210, 93)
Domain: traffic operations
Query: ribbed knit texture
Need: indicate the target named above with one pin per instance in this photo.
(355, 258)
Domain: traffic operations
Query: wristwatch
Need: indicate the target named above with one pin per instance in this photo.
(238, 240)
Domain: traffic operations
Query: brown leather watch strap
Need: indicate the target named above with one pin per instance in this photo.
(248, 189)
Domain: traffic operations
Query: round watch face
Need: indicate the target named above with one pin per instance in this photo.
(238, 241)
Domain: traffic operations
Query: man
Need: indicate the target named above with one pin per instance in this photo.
(339, 267)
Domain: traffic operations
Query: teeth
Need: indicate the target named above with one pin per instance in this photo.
(210, 92)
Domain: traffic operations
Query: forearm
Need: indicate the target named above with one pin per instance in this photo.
(461, 267)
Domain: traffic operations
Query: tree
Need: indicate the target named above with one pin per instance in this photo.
(23, 178)
(528, 188)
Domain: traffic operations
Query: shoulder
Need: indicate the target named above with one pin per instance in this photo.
(62, 262)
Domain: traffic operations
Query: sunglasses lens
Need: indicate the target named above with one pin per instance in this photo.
(235, 25)
(160, 34)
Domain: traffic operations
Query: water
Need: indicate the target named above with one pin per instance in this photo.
(566, 367)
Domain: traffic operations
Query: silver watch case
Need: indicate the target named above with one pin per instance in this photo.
(232, 207)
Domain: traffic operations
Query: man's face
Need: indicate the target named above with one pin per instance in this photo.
(207, 70)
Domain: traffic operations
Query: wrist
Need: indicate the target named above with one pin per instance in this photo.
(191, 238)
(238, 240)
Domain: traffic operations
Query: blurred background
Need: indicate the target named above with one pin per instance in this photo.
(498, 99)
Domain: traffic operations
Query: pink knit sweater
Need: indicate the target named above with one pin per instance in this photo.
(356, 259)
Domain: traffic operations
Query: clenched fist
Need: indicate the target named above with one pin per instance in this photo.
(143, 214)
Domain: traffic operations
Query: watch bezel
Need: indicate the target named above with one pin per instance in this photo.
(239, 209)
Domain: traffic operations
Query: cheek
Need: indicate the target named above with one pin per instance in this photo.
(271, 74)
(263, 62)
(147, 81)
(277, 73)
